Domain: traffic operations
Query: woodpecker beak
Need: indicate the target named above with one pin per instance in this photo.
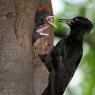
(50, 20)
(43, 34)
(67, 21)
(42, 30)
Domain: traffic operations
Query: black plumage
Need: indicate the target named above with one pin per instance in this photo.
(40, 19)
(35, 36)
(64, 58)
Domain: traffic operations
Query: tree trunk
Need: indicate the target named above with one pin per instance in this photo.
(21, 71)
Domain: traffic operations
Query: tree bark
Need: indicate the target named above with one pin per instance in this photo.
(21, 71)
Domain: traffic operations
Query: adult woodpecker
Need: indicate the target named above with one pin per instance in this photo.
(64, 58)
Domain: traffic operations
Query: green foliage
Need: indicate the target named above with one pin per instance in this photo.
(88, 66)
(62, 29)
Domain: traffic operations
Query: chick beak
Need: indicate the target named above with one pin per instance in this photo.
(42, 30)
(67, 21)
(50, 20)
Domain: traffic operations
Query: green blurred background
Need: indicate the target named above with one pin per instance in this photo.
(83, 82)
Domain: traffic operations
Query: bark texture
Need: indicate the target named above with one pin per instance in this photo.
(21, 71)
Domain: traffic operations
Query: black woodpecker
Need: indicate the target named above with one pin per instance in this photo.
(64, 58)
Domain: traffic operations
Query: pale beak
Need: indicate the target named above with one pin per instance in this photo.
(50, 20)
(42, 30)
(67, 21)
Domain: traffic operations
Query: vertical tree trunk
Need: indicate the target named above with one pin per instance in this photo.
(21, 71)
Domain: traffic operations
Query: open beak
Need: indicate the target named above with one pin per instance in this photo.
(67, 21)
(42, 30)
(50, 20)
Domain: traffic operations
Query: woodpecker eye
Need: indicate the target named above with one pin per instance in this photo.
(76, 19)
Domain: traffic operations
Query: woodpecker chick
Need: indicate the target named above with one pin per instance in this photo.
(40, 31)
(64, 58)
(39, 20)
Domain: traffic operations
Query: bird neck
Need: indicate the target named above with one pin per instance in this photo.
(76, 36)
